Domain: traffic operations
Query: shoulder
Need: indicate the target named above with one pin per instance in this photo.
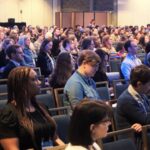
(8, 116)
(74, 78)
(126, 99)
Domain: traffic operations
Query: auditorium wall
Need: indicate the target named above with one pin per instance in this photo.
(133, 12)
(33, 12)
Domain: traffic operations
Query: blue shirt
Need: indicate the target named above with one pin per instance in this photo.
(79, 87)
(130, 62)
(28, 57)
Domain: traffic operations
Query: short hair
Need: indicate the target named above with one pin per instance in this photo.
(44, 43)
(127, 45)
(140, 73)
(87, 112)
(88, 56)
(86, 43)
(65, 42)
(119, 46)
(12, 49)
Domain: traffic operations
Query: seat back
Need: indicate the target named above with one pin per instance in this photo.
(113, 76)
(124, 144)
(119, 86)
(3, 96)
(59, 96)
(3, 88)
(63, 122)
(46, 97)
(2, 103)
(115, 65)
(103, 90)
(146, 137)
(121, 137)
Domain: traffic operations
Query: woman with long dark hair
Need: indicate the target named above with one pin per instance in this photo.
(24, 123)
(62, 71)
(45, 61)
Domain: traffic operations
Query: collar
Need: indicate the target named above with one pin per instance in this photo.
(15, 63)
(131, 56)
(133, 93)
(83, 76)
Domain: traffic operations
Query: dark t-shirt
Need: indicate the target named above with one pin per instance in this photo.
(11, 128)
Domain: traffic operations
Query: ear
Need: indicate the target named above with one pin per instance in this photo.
(13, 55)
(139, 84)
(92, 127)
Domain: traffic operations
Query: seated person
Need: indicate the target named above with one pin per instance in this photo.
(89, 122)
(62, 71)
(131, 59)
(15, 54)
(133, 106)
(24, 123)
(44, 60)
(80, 84)
(100, 74)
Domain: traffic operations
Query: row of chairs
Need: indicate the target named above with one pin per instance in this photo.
(53, 98)
(128, 143)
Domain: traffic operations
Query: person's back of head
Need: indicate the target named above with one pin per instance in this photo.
(88, 56)
(86, 43)
(12, 49)
(65, 43)
(6, 43)
(43, 45)
(62, 71)
(127, 45)
(119, 46)
(140, 74)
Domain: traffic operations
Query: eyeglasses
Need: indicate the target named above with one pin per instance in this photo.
(95, 65)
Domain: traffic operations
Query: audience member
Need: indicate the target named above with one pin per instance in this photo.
(87, 43)
(24, 41)
(89, 122)
(120, 50)
(100, 74)
(62, 71)
(3, 57)
(80, 84)
(107, 45)
(55, 48)
(44, 60)
(24, 123)
(133, 106)
(15, 54)
(131, 59)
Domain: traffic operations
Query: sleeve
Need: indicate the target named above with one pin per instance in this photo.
(9, 126)
(134, 113)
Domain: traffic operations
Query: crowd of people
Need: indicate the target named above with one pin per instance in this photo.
(73, 59)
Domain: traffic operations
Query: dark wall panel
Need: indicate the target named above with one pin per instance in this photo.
(103, 5)
(75, 5)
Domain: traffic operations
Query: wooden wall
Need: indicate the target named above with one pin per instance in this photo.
(70, 19)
